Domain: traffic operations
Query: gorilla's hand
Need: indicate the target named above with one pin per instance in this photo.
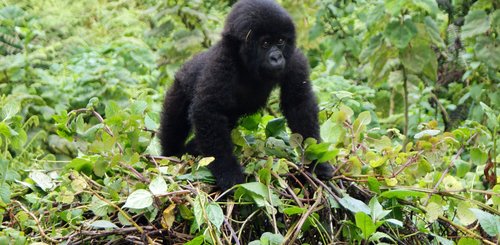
(227, 172)
(323, 170)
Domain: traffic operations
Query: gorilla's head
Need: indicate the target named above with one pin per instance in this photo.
(265, 34)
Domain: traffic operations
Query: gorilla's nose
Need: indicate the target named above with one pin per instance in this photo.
(276, 58)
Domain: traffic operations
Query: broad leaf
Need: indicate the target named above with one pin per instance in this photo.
(400, 33)
(139, 199)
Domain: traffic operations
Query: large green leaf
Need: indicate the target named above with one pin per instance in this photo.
(476, 22)
(139, 199)
(419, 55)
(488, 51)
(400, 33)
(215, 214)
(489, 222)
(365, 223)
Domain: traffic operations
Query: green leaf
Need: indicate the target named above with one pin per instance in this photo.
(5, 192)
(433, 31)
(138, 107)
(83, 164)
(269, 238)
(394, 222)
(478, 156)
(139, 199)
(99, 207)
(373, 184)
(468, 241)
(402, 194)
(42, 180)
(365, 223)
(198, 210)
(205, 161)
(251, 122)
(400, 33)
(443, 240)
(462, 167)
(199, 240)
(464, 213)
(275, 127)
(294, 210)
(5, 130)
(9, 110)
(158, 186)
(215, 214)
(378, 236)
(150, 123)
(359, 125)
(332, 131)
(256, 188)
(433, 211)
(476, 22)
(376, 210)
(394, 7)
(103, 224)
(489, 222)
(364, 118)
(426, 133)
(354, 205)
(428, 5)
(296, 140)
(495, 20)
(265, 176)
(320, 152)
(419, 56)
(488, 51)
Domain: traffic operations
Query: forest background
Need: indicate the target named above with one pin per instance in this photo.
(409, 98)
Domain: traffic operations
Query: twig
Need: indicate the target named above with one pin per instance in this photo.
(292, 194)
(306, 193)
(173, 193)
(154, 158)
(246, 221)
(405, 96)
(452, 163)
(410, 161)
(37, 221)
(125, 230)
(303, 174)
(303, 218)
(465, 230)
(318, 181)
(233, 234)
(101, 120)
(444, 113)
(136, 173)
(125, 215)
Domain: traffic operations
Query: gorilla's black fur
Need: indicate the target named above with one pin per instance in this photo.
(233, 78)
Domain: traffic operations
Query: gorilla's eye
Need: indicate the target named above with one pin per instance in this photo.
(266, 44)
(281, 42)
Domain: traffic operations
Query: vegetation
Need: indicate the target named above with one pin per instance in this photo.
(409, 95)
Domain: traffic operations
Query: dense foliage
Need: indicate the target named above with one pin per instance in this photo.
(409, 96)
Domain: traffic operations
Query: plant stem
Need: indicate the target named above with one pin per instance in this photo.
(405, 95)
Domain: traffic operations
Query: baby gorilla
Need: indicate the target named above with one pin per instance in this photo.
(234, 78)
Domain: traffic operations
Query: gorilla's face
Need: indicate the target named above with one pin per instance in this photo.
(265, 34)
(270, 52)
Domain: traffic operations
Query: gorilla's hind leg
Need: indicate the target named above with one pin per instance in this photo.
(175, 125)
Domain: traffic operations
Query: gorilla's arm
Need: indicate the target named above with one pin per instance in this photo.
(300, 108)
(297, 99)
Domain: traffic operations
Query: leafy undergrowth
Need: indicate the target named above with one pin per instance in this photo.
(409, 117)
(438, 190)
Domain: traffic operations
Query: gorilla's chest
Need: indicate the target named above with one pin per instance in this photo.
(250, 97)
